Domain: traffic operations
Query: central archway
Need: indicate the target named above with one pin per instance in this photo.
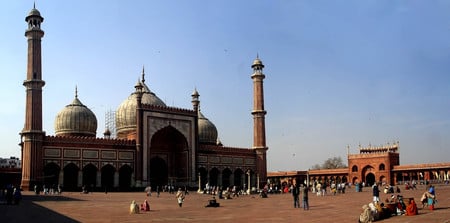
(158, 172)
(370, 179)
(173, 163)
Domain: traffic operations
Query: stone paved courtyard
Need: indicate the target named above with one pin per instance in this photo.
(114, 207)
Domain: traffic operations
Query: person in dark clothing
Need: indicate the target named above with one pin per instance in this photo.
(376, 193)
(305, 190)
(295, 194)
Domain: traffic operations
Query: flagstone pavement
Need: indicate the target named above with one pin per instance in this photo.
(114, 207)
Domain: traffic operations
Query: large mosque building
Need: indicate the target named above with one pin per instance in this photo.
(155, 144)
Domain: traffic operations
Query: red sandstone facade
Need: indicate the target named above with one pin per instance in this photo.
(162, 146)
(371, 165)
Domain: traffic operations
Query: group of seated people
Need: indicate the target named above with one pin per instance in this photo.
(134, 207)
(375, 211)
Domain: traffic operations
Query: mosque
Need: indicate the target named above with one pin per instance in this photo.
(153, 145)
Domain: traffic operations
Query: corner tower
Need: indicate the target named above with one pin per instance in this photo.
(259, 126)
(32, 134)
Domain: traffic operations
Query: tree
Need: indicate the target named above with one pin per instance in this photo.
(330, 163)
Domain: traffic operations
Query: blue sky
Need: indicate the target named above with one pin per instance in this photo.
(338, 73)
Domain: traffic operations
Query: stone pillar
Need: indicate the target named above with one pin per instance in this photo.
(248, 183)
(116, 179)
(99, 179)
(80, 178)
(61, 177)
(199, 183)
(133, 181)
(232, 179)
(219, 179)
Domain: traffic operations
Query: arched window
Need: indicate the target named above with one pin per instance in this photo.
(354, 168)
(381, 167)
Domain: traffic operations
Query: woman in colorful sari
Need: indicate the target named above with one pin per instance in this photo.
(411, 209)
(145, 206)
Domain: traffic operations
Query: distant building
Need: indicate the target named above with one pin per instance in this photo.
(12, 162)
(10, 171)
(371, 165)
(156, 144)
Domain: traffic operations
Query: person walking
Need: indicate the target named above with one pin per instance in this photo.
(305, 197)
(180, 197)
(376, 193)
(295, 194)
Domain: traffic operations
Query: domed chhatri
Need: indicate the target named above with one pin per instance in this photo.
(76, 120)
(34, 13)
(257, 62)
(126, 112)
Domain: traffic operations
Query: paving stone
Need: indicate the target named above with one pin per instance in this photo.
(114, 207)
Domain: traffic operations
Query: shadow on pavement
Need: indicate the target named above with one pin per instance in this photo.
(27, 211)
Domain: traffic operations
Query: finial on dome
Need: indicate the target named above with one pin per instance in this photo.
(143, 74)
(195, 93)
(76, 91)
(257, 63)
(34, 5)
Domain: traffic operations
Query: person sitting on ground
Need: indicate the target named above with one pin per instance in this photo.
(213, 203)
(374, 211)
(134, 208)
(145, 206)
(366, 215)
(411, 209)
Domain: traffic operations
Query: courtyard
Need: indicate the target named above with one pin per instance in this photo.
(114, 207)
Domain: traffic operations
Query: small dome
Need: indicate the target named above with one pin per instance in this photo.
(34, 12)
(76, 120)
(207, 131)
(126, 113)
(257, 62)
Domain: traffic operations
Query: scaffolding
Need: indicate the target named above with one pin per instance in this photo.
(110, 122)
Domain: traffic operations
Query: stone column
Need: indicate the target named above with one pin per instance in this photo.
(116, 179)
(99, 179)
(80, 178)
(61, 178)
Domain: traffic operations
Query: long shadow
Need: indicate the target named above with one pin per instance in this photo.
(27, 211)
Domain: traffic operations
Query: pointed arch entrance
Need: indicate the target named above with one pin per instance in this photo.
(171, 148)
(368, 175)
(226, 178)
(125, 173)
(370, 179)
(158, 172)
(89, 176)
(108, 177)
(238, 175)
(51, 175)
(214, 177)
(71, 177)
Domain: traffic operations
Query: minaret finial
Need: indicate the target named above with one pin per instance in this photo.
(76, 91)
(143, 74)
(34, 5)
(257, 55)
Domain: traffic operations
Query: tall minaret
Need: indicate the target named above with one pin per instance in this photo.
(259, 127)
(32, 134)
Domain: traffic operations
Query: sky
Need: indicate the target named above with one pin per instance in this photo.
(338, 73)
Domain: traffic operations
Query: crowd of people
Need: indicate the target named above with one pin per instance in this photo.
(12, 194)
(396, 204)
